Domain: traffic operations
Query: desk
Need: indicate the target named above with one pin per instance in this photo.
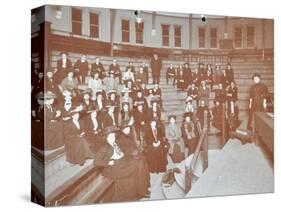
(264, 131)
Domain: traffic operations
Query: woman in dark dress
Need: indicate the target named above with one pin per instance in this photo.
(258, 98)
(93, 130)
(189, 133)
(129, 172)
(53, 126)
(76, 146)
(156, 147)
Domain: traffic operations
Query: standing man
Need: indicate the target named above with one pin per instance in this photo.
(257, 102)
(156, 65)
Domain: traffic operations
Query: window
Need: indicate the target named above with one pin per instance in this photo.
(250, 36)
(125, 27)
(165, 35)
(202, 37)
(177, 30)
(94, 25)
(238, 37)
(139, 32)
(76, 21)
(214, 38)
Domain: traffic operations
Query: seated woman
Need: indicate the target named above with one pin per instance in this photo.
(93, 130)
(217, 115)
(141, 121)
(110, 83)
(76, 147)
(204, 92)
(232, 93)
(129, 172)
(128, 75)
(220, 93)
(156, 148)
(189, 133)
(173, 135)
(127, 139)
(54, 127)
(170, 73)
(126, 97)
(69, 105)
(70, 83)
(155, 111)
(125, 113)
(95, 84)
(115, 69)
(140, 77)
(233, 121)
(180, 79)
(209, 80)
(193, 93)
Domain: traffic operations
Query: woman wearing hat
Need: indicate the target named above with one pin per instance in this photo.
(53, 126)
(209, 78)
(126, 97)
(109, 117)
(125, 113)
(93, 129)
(128, 172)
(173, 135)
(70, 83)
(127, 139)
(156, 147)
(258, 95)
(95, 84)
(189, 133)
(170, 73)
(110, 83)
(187, 74)
(76, 146)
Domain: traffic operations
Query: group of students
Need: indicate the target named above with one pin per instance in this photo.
(182, 76)
(114, 117)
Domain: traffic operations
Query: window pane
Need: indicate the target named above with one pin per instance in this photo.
(202, 38)
(165, 35)
(94, 31)
(213, 37)
(94, 19)
(238, 37)
(76, 28)
(250, 36)
(177, 32)
(125, 25)
(76, 14)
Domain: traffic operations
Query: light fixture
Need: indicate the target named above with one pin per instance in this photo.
(203, 18)
(58, 12)
(139, 19)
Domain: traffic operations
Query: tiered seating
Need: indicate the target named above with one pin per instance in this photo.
(173, 102)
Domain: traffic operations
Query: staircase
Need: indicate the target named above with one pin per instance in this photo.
(235, 169)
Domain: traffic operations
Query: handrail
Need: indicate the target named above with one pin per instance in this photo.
(224, 114)
(202, 144)
(197, 151)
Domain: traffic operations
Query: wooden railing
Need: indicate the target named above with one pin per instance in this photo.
(201, 146)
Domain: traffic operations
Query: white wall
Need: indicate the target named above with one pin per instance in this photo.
(64, 24)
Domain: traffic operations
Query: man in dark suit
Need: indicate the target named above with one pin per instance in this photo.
(156, 65)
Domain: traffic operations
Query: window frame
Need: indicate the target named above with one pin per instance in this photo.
(73, 21)
(167, 36)
(125, 31)
(98, 25)
(205, 37)
(178, 37)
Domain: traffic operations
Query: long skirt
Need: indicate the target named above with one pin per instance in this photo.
(54, 135)
(156, 158)
(131, 178)
(77, 150)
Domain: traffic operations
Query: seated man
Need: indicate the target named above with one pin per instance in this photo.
(81, 69)
(140, 77)
(98, 67)
(129, 172)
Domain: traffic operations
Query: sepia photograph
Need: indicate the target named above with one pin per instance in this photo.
(135, 105)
